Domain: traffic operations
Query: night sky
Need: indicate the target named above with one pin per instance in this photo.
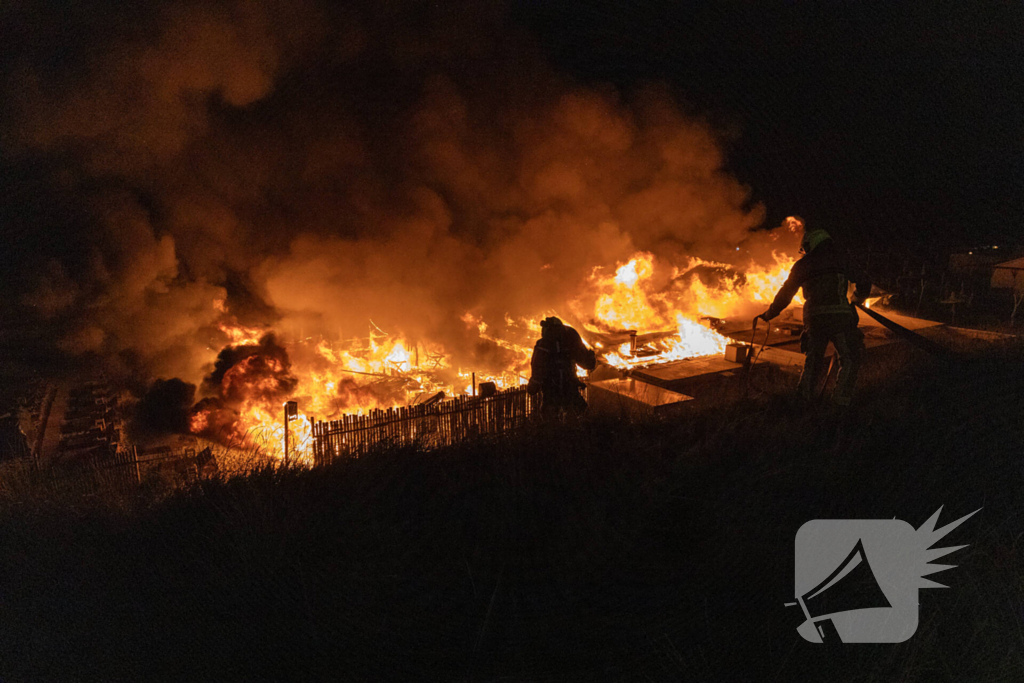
(208, 204)
(892, 119)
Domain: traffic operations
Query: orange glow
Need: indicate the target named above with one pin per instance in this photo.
(692, 340)
(637, 297)
(665, 302)
(238, 334)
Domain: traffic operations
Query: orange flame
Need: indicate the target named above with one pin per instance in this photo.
(637, 298)
(381, 370)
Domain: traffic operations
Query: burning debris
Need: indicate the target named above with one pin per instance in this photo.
(643, 313)
(248, 383)
(239, 219)
(670, 310)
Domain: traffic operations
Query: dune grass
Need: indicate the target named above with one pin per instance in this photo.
(600, 549)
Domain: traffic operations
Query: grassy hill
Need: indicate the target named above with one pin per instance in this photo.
(646, 550)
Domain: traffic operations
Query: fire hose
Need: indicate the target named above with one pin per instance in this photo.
(914, 338)
(910, 336)
(753, 335)
(750, 358)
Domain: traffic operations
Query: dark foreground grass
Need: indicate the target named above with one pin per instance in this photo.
(600, 550)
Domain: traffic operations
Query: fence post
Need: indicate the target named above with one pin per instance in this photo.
(291, 412)
(446, 423)
(135, 464)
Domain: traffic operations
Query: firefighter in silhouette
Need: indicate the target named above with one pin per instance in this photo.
(553, 368)
(825, 275)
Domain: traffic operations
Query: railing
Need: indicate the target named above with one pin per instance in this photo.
(430, 425)
(121, 470)
(440, 424)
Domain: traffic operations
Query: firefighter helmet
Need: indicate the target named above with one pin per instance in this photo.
(812, 239)
(551, 328)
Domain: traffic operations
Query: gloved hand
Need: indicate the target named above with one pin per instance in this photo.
(764, 316)
(532, 387)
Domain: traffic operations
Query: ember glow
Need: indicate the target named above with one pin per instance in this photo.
(637, 298)
(266, 229)
(384, 369)
(691, 340)
(236, 333)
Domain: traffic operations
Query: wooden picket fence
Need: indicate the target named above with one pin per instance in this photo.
(117, 471)
(435, 425)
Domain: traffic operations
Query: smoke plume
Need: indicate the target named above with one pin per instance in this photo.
(165, 408)
(313, 167)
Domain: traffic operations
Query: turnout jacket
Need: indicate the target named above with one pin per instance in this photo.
(554, 361)
(824, 274)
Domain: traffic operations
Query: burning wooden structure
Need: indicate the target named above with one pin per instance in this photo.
(666, 334)
(658, 386)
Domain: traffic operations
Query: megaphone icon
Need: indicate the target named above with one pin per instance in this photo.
(862, 602)
(851, 586)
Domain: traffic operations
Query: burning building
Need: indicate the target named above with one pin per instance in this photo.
(278, 201)
(636, 314)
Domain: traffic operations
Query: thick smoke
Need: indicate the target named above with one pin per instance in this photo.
(315, 167)
(165, 408)
(260, 373)
(244, 375)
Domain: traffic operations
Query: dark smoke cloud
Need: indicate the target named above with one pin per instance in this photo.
(317, 166)
(243, 376)
(165, 408)
(257, 373)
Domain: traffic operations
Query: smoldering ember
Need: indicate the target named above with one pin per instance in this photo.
(292, 240)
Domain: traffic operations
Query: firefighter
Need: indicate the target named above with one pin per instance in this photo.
(829, 316)
(553, 368)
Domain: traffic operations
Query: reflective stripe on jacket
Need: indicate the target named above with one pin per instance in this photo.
(554, 361)
(824, 275)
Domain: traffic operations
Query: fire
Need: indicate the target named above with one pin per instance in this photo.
(524, 331)
(663, 302)
(235, 332)
(636, 297)
(733, 293)
(266, 432)
(398, 358)
(624, 303)
(692, 340)
(643, 296)
(199, 422)
(639, 267)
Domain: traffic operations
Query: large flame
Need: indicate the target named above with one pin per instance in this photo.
(636, 298)
(668, 303)
(691, 340)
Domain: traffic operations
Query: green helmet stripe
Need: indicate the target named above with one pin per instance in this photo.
(813, 239)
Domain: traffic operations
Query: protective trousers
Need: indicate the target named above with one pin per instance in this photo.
(555, 399)
(841, 330)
